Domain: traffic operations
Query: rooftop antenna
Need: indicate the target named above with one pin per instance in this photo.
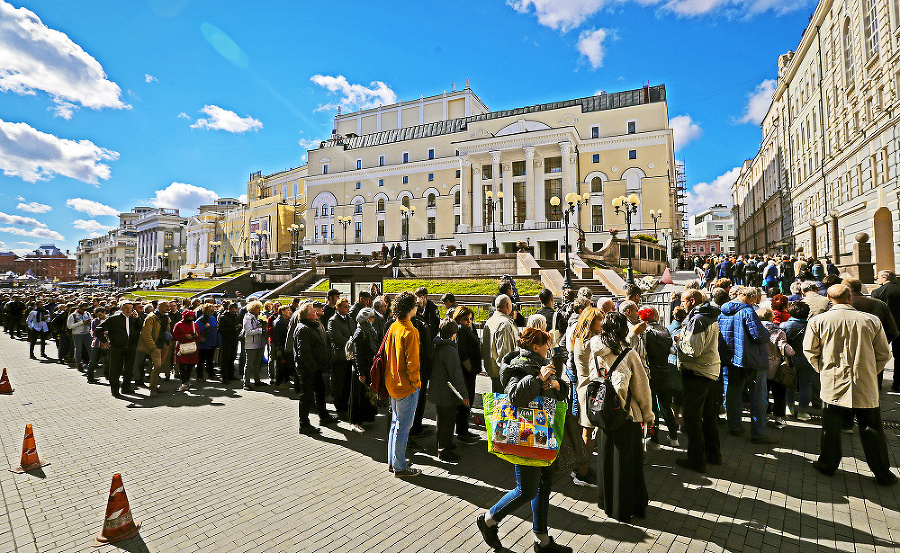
(467, 82)
(453, 88)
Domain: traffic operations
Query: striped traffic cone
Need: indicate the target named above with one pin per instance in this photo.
(5, 387)
(30, 460)
(118, 524)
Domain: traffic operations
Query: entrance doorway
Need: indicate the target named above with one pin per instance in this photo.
(884, 240)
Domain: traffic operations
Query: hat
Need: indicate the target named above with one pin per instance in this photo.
(365, 314)
(365, 294)
(188, 313)
(334, 292)
(645, 314)
(123, 301)
(318, 305)
(448, 297)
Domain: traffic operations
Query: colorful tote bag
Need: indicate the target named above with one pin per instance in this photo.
(524, 435)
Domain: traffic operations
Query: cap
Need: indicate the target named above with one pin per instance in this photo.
(448, 297)
(365, 294)
(334, 292)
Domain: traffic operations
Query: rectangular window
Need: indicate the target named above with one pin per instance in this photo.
(405, 179)
(324, 232)
(381, 160)
(357, 208)
(595, 131)
(553, 187)
(405, 157)
(431, 153)
(358, 228)
(595, 158)
(553, 165)
(381, 229)
(632, 127)
(380, 182)
(596, 217)
(518, 168)
(632, 154)
(358, 185)
(317, 233)
(432, 225)
(359, 164)
(332, 232)
(519, 200)
(430, 177)
(457, 220)
(325, 169)
(457, 173)
(487, 172)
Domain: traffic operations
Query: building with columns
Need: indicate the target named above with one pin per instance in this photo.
(160, 242)
(827, 169)
(201, 231)
(426, 171)
(112, 255)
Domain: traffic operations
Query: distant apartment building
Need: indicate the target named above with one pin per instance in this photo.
(703, 246)
(47, 262)
(718, 220)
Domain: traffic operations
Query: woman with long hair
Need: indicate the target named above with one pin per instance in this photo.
(623, 490)
(587, 327)
(469, 348)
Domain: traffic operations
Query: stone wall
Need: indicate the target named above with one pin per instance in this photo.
(474, 266)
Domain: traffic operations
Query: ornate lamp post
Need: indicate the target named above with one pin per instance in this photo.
(345, 222)
(655, 214)
(294, 229)
(215, 244)
(492, 205)
(406, 213)
(628, 206)
(111, 267)
(573, 201)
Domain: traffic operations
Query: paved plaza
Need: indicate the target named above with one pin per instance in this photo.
(224, 470)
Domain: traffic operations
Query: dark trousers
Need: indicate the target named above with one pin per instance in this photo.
(779, 398)
(341, 373)
(446, 420)
(462, 412)
(871, 434)
(205, 365)
(420, 406)
(184, 372)
(700, 418)
(96, 352)
(121, 363)
(226, 359)
(661, 402)
(312, 392)
(285, 368)
(33, 337)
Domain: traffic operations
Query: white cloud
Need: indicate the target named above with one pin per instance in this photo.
(183, 115)
(310, 144)
(686, 130)
(33, 155)
(242, 198)
(34, 57)
(150, 78)
(92, 227)
(560, 15)
(179, 195)
(758, 102)
(739, 8)
(38, 232)
(705, 195)
(33, 207)
(224, 120)
(7, 219)
(27, 244)
(590, 45)
(91, 207)
(354, 96)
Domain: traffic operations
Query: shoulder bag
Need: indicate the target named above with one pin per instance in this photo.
(188, 348)
(604, 409)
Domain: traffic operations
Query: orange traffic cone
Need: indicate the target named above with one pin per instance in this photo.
(30, 460)
(118, 524)
(5, 387)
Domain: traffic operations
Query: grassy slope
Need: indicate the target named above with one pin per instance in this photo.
(473, 286)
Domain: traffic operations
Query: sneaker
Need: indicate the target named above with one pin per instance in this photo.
(183, 387)
(551, 547)
(673, 441)
(489, 533)
(792, 412)
(652, 446)
(448, 456)
(778, 423)
(587, 481)
(765, 440)
(407, 472)
(468, 439)
(357, 428)
(803, 417)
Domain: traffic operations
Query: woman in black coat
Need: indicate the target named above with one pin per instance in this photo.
(365, 346)
(469, 347)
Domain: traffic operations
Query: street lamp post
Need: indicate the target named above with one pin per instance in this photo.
(628, 206)
(573, 202)
(294, 229)
(655, 214)
(492, 205)
(345, 222)
(406, 213)
(215, 244)
(111, 267)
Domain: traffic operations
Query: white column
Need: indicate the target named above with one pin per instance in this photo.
(464, 206)
(508, 199)
(540, 201)
(496, 184)
(530, 197)
(478, 201)
(568, 155)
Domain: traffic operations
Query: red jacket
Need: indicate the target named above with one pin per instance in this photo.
(179, 335)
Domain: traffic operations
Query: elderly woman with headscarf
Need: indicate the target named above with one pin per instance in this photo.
(365, 346)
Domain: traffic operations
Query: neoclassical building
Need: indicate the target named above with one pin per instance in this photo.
(828, 166)
(430, 171)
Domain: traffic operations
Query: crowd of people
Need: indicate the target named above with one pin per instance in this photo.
(730, 345)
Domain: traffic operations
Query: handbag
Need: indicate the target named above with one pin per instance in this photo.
(604, 409)
(529, 435)
(188, 348)
(786, 373)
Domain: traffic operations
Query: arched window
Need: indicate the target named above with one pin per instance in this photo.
(432, 201)
(405, 201)
(358, 208)
(380, 205)
(596, 184)
(848, 53)
(456, 198)
(870, 22)
(324, 210)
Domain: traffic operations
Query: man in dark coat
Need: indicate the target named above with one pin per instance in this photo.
(120, 334)
(339, 332)
(880, 309)
(364, 300)
(312, 356)
(889, 293)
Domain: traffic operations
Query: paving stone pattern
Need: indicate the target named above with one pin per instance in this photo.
(224, 470)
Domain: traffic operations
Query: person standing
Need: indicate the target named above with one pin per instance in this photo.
(795, 330)
(469, 349)
(79, 324)
(447, 389)
(229, 329)
(365, 346)
(364, 300)
(312, 357)
(498, 338)
(889, 293)
(875, 307)
(658, 341)
(339, 332)
(183, 333)
(96, 350)
(330, 306)
(121, 333)
(811, 297)
(281, 348)
(401, 378)
(209, 333)
(848, 348)
(254, 342)
(38, 327)
(395, 266)
(154, 339)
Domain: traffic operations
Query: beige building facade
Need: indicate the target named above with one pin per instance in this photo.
(828, 166)
(424, 171)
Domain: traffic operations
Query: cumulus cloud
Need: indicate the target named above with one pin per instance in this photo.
(705, 195)
(310, 144)
(32, 207)
(758, 102)
(37, 232)
(224, 120)
(354, 96)
(590, 45)
(738, 8)
(91, 207)
(686, 130)
(7, 219)
(93, 228)
(183, 115)
(34, 57)
(559, 15)
(33, 155)
(179, 195)
(150, 78)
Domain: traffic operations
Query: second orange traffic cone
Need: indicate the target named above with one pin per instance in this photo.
(30, 459)
(5, 387)
(118, 524)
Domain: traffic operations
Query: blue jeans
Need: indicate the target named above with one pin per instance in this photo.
(532, 484)
(82, 343)
(759, 399)
(402, 413)
(759, 402)
(735, 381)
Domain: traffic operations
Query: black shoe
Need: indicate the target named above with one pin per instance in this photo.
(686, 463)
(816, 465)
(32, 356)
(413, 446)
(489, 533)
(890, 482)
(328, 419)
(551, 547)
(738, 432)
(448, 456)
(765, 440)
(895, 387)
(127, 391)
(407, 472)
(468, 439)
(260, 384)
(422, 432)
(716, 461)
(309, 429)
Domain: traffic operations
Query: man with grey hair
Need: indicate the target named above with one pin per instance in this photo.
(811, 297)
(636, 328)
(380, 305)
(498, 338)
(849, 348)
(889, 293)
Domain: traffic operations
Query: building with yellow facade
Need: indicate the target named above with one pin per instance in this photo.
(431, 171)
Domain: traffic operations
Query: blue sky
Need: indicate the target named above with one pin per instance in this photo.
(108, 105)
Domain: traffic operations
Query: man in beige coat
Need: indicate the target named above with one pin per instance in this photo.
(498, 338)
(848, 348)
(817, 303)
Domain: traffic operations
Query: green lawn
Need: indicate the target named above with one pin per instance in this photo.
(203, 283)
(164, 293)
(469, 286)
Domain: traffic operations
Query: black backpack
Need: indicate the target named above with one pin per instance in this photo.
(604, 409)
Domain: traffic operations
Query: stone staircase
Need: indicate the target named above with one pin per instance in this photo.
(595, 286)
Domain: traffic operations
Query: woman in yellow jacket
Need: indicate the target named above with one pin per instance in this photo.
(401, 378)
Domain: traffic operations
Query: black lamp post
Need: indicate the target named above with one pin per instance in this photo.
(493, 202)
(215, 248)
(345, 222)
(655, 214)
(406, 213)
(573, 201)
(628, 206)
(111, 267)
(294, 229)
